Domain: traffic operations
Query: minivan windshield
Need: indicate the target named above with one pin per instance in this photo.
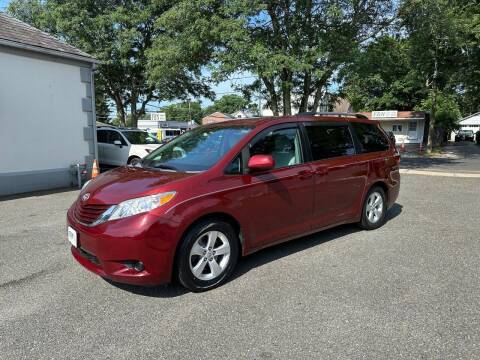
(197, 149)
(140, 137)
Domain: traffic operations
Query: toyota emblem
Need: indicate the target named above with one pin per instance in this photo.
(86, 196)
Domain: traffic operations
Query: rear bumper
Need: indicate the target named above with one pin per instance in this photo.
(110, 248)
(393, 187)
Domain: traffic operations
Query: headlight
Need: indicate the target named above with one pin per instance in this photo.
(86, 183)
(135, 206)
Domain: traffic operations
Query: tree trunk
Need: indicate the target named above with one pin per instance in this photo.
(317, 98)
(287, 92)
(270, 85)
(306, 93)
(431, 126)
(320, 86)
(121, 115)
(431, 130)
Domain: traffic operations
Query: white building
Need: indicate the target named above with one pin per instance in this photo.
(471, 122)
(47, 109)
(409, 127)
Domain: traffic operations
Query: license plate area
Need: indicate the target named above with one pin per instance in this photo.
(72, 236)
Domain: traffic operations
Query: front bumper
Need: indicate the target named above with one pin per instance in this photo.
(108, 249)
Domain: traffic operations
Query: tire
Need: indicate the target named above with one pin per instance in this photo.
(134, 161)
(200, 267)
(373, 218)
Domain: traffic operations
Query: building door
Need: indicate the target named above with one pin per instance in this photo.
(412, 130)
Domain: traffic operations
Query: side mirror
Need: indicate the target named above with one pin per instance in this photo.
(117, 142)
(261, 163)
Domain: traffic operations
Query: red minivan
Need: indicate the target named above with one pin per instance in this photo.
(225, 190)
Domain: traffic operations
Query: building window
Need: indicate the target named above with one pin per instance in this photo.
(397, 128)
(412, 126)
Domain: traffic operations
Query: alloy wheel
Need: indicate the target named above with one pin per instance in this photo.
(374, 207)
(209, 255)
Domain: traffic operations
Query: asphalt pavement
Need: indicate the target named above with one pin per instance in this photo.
(409, 290)
(462, 157)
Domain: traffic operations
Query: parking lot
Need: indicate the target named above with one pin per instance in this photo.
(411, 289)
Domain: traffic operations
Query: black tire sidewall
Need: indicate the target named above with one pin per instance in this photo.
(133, 160)
(365, 223)
(185, 275)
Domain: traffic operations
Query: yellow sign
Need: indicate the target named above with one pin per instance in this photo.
(159, 134)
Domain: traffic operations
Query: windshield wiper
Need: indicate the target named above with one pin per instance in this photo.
(159, 165)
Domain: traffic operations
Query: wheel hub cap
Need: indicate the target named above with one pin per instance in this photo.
(210, 255)
(374, 208)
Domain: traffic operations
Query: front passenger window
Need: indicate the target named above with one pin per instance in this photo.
(113, 136)
(283, 145)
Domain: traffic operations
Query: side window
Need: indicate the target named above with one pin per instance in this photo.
(370, 137)
(329, 141)
(114, 135)
(102, 136)
(235, 167)
(283, 144)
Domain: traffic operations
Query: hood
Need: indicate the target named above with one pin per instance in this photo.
(123, 183)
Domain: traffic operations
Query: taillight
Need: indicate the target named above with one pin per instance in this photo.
(396, 156)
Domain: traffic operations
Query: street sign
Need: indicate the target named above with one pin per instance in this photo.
(159, 116)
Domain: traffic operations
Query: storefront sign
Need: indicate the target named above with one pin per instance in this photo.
(384, 114)
(159, 116)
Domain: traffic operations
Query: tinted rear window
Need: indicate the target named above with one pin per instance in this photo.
(329, 141)
(370, 137)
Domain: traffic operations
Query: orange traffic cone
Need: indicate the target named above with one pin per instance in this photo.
(402, 147)
(95, 171)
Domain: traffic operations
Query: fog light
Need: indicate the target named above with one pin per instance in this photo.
(139, 266)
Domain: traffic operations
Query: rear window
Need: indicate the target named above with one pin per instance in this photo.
(371, 137)
(329, 141)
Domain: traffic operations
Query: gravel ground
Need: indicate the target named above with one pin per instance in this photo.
(408, 290)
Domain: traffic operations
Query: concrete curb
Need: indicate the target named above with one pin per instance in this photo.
(439, 173)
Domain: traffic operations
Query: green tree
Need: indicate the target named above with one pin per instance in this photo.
(293, 47)
(447, 114)
(184, 111)
(435, 35)
(119, 34)
(382, 77)
(228, 104)
(468, 69)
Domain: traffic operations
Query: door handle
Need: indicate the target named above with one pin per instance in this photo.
(321, 170)
(305, 174)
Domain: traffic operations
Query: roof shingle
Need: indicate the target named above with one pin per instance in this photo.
(16, 33)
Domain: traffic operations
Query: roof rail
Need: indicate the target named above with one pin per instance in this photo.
(339, 114)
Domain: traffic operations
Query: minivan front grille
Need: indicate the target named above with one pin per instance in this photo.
(88, 213)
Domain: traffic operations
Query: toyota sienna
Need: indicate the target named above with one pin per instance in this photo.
(194, 206)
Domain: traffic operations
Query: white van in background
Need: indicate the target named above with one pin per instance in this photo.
(118, 147)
